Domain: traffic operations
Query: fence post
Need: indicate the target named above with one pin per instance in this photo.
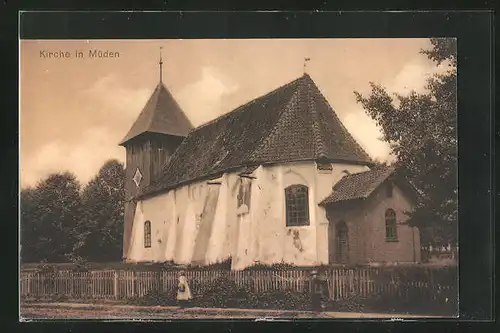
(133, 283)
(28, 284)
(115, 284)
(432, 284)
(159, 281)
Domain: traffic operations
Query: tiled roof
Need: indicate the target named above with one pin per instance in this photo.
(291, 123)
(358, 185)
(161, 114)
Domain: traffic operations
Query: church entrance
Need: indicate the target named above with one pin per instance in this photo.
(342, 242)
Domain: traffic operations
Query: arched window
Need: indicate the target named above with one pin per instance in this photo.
(147, 234)
(391, 233)
(297, 205)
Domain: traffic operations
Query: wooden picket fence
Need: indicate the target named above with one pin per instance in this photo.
(342, 282)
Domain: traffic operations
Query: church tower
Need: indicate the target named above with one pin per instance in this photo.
(152, 139)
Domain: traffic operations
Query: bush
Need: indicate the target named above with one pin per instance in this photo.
(154, 297)
(59, 298)
(386, 303)
(352, 303)
(220, 265)
(284, 300)
(223, 292)
(282, 266)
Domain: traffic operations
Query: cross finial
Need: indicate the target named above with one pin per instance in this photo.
(305, 63)
(161, 65)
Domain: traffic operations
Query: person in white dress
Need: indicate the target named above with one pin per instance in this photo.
(183, 291)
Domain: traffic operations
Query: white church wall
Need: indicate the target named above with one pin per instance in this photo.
(201, 223)
(177, 219)
(232, 226)
(256, 218)
(266, 215)
(243, 242)
(300, 242)
(218, 249)
(264, 236)
(139, 252)
(171, 226)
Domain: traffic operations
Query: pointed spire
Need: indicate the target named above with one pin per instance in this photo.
(305, 63)
(161, 66)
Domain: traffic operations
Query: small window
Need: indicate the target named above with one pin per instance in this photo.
(388, 189)
(390, 225)
(147, 234)
(244, 191)
(324, 167)
(297, 205)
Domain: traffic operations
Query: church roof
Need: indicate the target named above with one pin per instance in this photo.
(161, 114)
(358, 185)
(291, 123)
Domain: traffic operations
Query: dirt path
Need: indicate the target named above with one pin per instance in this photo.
(37, 313)
(152, 313)
(127, 312)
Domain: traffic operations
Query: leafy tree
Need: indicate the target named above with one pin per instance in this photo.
(422, 131)
(28, 233)
(100, 230)
(49, 215)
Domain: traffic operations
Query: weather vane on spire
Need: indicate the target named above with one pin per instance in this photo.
(305, 63)
(161, 65)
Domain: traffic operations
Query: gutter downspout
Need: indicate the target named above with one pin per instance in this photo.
(365, 226)
(413, 239)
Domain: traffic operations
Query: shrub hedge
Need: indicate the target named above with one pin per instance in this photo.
(224, 293)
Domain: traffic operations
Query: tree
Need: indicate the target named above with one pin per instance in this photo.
(100, 229)
(422, 131)
(49, 215)
(28, 232)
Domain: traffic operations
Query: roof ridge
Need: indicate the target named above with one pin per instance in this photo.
(240, 108)
(268, 138)
(335, 115)
(359, 185)
(290, 123)
(156, 93)
(375, 168)
(143, 112)
(318, 140)
(245, 105)
(163, 86)
(357, 174)
(159, 115)
(384, 169)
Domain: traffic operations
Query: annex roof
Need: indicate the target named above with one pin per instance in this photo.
(358, 185)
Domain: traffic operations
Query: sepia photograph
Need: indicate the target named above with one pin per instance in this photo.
(238, 178)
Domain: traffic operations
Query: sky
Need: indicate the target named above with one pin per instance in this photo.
(74, 111)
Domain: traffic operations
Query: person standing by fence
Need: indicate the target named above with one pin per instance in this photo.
(183, 291)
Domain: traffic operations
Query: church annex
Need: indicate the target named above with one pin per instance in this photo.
(279, 179)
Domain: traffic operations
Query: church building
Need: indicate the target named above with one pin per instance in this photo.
(278, 179)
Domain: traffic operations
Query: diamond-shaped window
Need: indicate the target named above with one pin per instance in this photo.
(137, 177)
